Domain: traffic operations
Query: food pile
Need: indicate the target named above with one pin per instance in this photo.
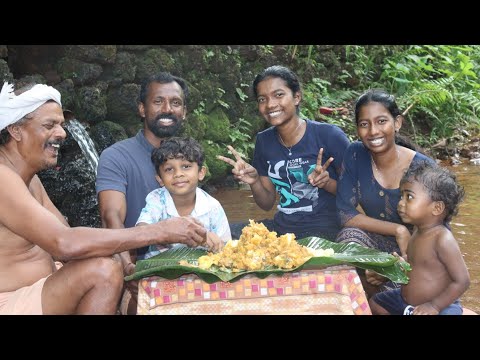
(259, 249)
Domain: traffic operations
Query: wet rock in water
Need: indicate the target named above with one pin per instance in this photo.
(455, 160)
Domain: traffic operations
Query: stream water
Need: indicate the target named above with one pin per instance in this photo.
(240, 206)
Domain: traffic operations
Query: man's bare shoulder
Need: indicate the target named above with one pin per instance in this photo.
(9, 174)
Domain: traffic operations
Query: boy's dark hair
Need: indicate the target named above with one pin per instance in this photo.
(440, 183)
(178, 148)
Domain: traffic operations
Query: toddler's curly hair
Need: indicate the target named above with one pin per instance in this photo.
(440, 183)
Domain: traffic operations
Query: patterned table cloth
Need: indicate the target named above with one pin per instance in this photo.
(333, 290)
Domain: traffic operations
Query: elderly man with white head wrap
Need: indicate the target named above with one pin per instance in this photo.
(13, 108)
(33, 232)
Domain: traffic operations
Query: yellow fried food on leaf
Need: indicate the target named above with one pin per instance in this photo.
(205, 262)
(257, 249)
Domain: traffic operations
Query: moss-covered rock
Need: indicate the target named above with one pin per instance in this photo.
(80, 72)
(208, 92)
(195, 126)
(217, 126)
(107, 133)
(122, 103)
(125, 67)
(194, 97)
(122, 71)
(133, 47)
(67, 91)
(29, 79)
(153, 62)
(3, 51)
(103, 54)
(91, 103)
(190, 60)
(5, 74)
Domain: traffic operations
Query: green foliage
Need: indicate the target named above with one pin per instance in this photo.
(316, 94)
(218, 125)
(216, 168)
(361, 63)
(266, 50)
(439, 84)
(219, 100)
(241, 94)
(240, 138)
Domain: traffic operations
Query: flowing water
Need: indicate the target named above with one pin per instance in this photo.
(86, 144)
(240, 206)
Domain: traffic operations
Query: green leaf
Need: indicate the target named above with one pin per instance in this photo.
(167, 264)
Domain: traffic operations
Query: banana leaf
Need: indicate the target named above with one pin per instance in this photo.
(166, 264)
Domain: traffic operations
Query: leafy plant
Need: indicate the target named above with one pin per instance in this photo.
(240, 138)
(241, 94)
(439, 84)
(316, 94)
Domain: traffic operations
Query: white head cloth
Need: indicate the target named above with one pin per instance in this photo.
(13, 107)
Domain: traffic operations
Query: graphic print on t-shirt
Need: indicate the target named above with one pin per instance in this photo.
(296, 195)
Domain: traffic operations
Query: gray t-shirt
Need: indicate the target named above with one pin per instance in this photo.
(126, 166)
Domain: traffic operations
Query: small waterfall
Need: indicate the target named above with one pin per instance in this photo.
(81, 136)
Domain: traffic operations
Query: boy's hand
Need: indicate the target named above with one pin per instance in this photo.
(214, 243)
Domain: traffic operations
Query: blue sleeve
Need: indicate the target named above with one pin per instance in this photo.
(347, 196)
(420, 157)
(258, 159)
(111, 172)
(337, 144)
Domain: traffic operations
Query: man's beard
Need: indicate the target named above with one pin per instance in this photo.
(164, 131)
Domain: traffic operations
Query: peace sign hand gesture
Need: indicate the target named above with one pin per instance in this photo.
(241, 170)
(320, 177)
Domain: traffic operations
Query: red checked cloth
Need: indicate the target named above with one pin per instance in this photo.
(334, 290)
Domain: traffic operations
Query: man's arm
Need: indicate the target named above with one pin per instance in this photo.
(113, 210)
(22, 214)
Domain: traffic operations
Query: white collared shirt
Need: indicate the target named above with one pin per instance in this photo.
(160, 206)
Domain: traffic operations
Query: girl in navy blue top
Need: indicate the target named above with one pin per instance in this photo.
(371, 174)
(297, 158)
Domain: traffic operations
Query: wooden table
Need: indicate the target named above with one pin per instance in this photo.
(333, 290)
